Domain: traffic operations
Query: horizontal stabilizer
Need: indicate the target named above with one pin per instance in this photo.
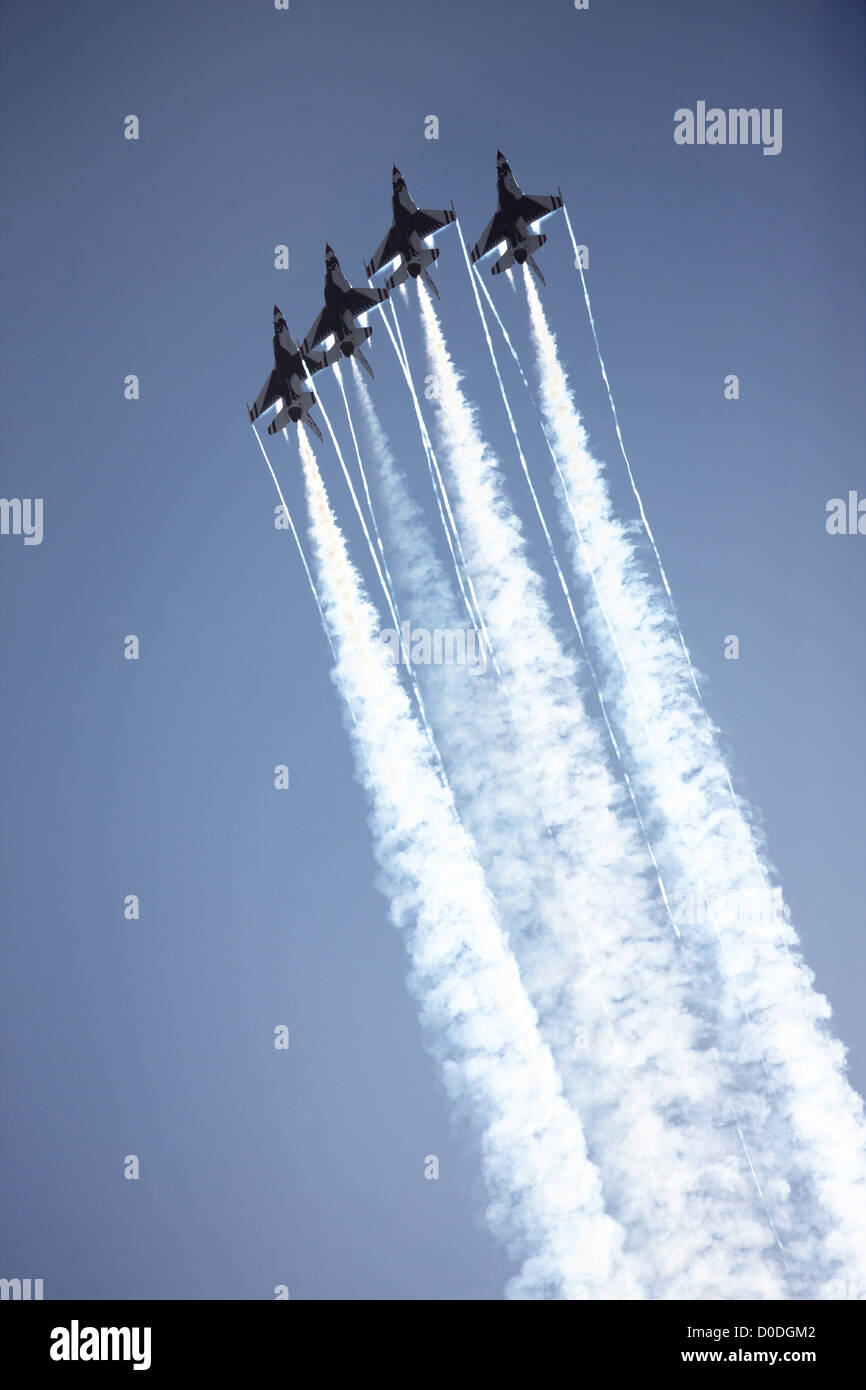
(400, 276)
(292, 412)
(505, 262)
(280, 421)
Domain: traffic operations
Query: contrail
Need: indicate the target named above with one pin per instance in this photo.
(377, 563)
(645, 519)
(642, 1078)
(446, 513)
(611, 634)
(556, 563)
(297, 539)
(643, 516)
(790, 1068)
(380, 565)
(363, 474)
(300, 548)
(542, 335)
(545, 1195)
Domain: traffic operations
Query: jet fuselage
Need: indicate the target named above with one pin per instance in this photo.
(511, 199)
(349, 334)
(415, 254)
(289, 367)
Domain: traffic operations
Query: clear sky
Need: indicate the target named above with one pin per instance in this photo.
(155, 777)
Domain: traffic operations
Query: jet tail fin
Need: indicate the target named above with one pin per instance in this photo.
(362, 359)
(531, 260)
(505, 262)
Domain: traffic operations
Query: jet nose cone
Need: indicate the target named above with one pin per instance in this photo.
(395, 172)
(278, 313)
(499, 154)
(329, 250)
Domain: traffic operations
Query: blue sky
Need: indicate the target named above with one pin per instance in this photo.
(155, 777)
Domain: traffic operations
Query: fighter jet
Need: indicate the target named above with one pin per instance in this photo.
(343, 305)
(286, 382)
(512, 222)
(408, 237)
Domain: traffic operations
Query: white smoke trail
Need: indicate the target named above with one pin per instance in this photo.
(291, 524)
(363, 474)
(380, 564)
(643, 516)
(645, 1086)
(545, 1194)
(789, 1065)
(449, 525)
(612, 636)
(475, 280)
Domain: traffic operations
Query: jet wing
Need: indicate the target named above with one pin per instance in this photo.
(534, 206)
(359, 301)
(389, 249)
(314, 362)
(427, 220)
(493, 233)
(269, 393)
(322, 326)
(287, 342)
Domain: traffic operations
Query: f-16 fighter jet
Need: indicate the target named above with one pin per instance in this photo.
(512, 222)
(407, 237)
(343, 304)
(286, 382)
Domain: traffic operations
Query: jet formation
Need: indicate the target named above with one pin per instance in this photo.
(338, 330)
